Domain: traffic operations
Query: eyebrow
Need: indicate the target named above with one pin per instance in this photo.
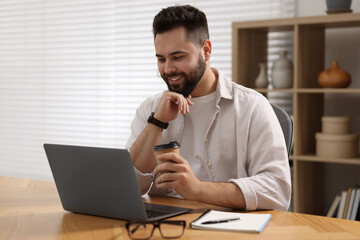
(171, 54)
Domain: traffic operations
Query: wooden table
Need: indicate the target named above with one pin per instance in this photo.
(31, 209)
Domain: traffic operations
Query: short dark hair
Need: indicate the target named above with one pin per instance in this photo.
(192, 19)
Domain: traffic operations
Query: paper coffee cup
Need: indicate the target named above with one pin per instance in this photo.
(166, 148)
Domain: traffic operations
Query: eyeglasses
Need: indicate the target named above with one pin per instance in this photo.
(144, 230)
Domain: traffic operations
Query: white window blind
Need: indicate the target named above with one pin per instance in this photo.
(74, 71)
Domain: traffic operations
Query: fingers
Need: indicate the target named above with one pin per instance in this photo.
(164, 184)
(166, 177)
(168, 167)
(171, 162)
(182, 102)
(188, 103)
(171, 105)
(175, 173)
(188, 99)
(173, 157)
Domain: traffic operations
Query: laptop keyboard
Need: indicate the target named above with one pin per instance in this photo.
(154, 213)
(157, 211)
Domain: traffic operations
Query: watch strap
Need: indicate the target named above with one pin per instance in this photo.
(157, 122)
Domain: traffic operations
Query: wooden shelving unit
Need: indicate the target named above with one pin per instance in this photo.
(249, 47)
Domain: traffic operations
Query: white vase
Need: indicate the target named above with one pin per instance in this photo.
(261, 80)
(282, 72)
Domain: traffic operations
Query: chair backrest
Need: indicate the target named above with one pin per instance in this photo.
(286, 125)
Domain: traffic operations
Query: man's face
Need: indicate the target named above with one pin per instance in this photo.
(180, 62)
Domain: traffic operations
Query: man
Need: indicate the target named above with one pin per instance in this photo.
(233, 152)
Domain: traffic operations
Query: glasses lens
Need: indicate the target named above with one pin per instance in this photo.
(140, 230)
(172, 229)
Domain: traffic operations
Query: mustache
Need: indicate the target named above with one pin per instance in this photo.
(165, 75)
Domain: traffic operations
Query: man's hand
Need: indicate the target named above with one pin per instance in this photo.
(175, 173)
(171, 105)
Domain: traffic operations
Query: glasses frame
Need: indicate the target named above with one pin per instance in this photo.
(157, 224)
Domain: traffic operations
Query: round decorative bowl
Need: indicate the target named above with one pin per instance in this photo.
(335, 125)
(337, 145)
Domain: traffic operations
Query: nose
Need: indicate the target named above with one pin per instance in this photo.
(169, 67)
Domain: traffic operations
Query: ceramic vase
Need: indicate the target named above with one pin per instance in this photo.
(261, 80)
(282, 72)
(334, 77)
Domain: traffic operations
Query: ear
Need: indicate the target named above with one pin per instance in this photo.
(206, 48)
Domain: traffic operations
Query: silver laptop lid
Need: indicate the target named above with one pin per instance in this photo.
(101, 182)
(96, 181)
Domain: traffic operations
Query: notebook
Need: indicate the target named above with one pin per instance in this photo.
(238, 222)
(101, 182)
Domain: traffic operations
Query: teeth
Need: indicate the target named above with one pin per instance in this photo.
(174, 79)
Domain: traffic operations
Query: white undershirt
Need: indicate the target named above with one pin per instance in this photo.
(196, 125)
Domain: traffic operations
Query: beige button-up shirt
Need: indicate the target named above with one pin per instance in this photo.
(244, 145)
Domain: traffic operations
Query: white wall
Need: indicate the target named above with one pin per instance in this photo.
(343, 46)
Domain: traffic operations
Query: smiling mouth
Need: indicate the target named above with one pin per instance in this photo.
(174, 79)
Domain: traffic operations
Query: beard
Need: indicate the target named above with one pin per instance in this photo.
(190, 80)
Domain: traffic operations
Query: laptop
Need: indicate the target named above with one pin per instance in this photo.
(102, 182)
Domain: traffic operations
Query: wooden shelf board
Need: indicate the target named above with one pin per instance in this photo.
(329, 21)
(314, 158)
(264, 90)
(310, 90)
(328, 90)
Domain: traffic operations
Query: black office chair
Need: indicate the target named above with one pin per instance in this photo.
(286, 125)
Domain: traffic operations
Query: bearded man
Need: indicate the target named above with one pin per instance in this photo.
(233, 152)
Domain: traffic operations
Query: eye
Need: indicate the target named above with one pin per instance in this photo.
(161, 60)
(178, 57)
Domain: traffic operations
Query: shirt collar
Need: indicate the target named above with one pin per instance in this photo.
(224, 88)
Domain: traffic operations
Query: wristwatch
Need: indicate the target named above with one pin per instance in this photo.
(156, 122)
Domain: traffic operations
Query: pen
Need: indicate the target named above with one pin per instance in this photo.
(221, 220)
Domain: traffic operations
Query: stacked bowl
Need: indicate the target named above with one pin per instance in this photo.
(335, 140)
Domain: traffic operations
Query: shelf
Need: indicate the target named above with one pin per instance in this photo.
(250, 47)
(314, 158)
(310, 90)
(283, 90)
(328, 90)
(328, 21)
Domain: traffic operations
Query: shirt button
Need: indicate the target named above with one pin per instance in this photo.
(209, 164)
(206, 140)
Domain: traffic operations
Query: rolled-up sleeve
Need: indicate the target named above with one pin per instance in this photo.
(145, 180)
(268, 184)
